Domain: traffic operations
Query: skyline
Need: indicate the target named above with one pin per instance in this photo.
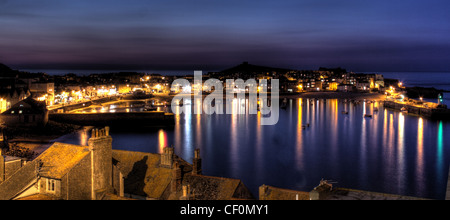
(178, 35)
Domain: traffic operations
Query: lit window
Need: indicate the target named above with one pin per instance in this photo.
(51, 185)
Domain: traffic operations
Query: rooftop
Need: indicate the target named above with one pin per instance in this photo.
(143, 174)
(60, 158)
(274, 193)
(212, 188)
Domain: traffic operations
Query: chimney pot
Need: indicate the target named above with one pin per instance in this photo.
(197, 163)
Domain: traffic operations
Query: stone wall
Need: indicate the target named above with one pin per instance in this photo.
(110, 119)
(427, 112)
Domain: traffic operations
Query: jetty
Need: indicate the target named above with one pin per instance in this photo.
(429, 111)
(119, 119)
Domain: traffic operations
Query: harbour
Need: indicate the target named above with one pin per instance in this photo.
(313, 140)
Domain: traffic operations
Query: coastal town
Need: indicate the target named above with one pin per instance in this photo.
(69, 89)
(38, 101)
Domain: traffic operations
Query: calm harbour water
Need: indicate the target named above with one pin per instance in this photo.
(390, 152)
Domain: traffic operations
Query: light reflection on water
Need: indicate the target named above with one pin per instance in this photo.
(389, 152)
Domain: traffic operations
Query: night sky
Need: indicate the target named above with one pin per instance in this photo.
(359, 35)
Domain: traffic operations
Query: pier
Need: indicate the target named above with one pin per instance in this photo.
(73, 106)
(134, 119)
(430, 112)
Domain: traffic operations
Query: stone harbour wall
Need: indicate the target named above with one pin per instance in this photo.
(111, 119)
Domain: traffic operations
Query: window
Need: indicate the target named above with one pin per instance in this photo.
(51, 185)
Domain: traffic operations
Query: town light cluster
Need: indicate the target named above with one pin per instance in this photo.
(213, 103)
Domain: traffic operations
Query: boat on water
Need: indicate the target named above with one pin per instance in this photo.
(368, 116)
(150, 108)
(344, 112)
(283, 104)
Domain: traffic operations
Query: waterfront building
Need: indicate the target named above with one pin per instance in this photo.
(26, 113)
(10, 97)
(345, 87)
(363, 85)
(43, 91)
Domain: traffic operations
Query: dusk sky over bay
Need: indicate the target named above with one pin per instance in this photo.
(358, 35)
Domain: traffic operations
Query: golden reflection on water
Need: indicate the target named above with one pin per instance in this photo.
(198, 128)
(177, 127)
(385, 128)
(420, 162)
(162, 140)
(84, 137)
(187, 143)
(299, 140)
(401, 134)
(420, 142)
(400, 149)
(391, 135)
(363, 145)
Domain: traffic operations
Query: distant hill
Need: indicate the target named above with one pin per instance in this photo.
(246, 70)
(245, 67)
(338, 70)
(7, 72)
(4, 68)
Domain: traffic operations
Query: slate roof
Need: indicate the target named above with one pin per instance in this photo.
(274, 193)
(211, 188)
(60, 158)
(143, 175)
(28, 106)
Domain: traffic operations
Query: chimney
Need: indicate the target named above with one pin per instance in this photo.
(263, 192)
(100, 146)
(176, 177)
(167, 157)
(197, 163)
